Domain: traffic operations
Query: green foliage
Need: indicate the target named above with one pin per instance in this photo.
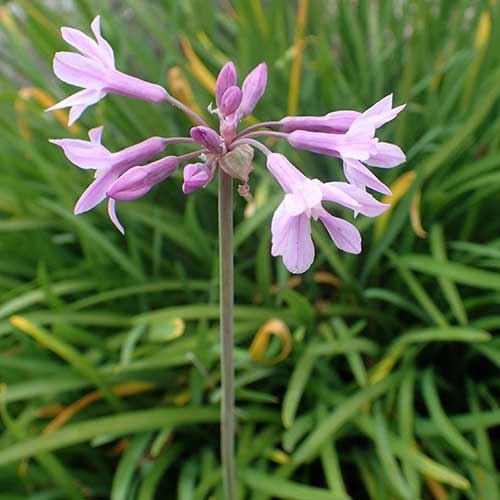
(391, 387)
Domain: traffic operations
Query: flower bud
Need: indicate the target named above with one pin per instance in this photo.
(227, 78)
(196, 175)
(138, 181)
(230, 101)
(253, 89)
(207, 137)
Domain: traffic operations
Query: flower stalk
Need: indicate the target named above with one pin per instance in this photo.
(226, 274)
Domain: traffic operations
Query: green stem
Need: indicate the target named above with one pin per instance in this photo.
(226, 332)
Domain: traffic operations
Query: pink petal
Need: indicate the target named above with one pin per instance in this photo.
(75, 112)
(81, 42)
(344, 234)
(299, 253)
(196, 175)
(78, 70)
(227, 78)
(106, 52)
(253, 89)
(292, 239)
(357, 174)
(381, 112)
(84, 154)
(95, 135)
(95, 192)
(83, 98)
(308, 195)
(113, 216)
(280, 228)
(387, 156)
(366, 203)
(333, 191)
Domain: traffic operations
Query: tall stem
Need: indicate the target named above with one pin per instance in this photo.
(226, 332)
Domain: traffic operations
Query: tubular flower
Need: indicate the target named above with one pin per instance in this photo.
(94, 70)
(129, 174)
(108, 166)
(291, 227)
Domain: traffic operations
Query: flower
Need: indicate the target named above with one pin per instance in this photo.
(108, 166)
(207, 137)
(358, 143)
(228, 77)
(125, 175)
(138, 181)
(94, 70)
(196, 175)
(252, 90)
(291, 228)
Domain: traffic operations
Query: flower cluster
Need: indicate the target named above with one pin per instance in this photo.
(129, 174)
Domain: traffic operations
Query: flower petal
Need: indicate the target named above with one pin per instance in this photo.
(95, 134)
(358, 175)
(196, 175)
(85, 97)
(84, 154)
(366, 203)
(96, 192)
(280, 228)
(79, 70)
(344, 234)
(306, 196)
(113, 216)
(227, 78)
(253, 89)
(387, 156)
(299, 253)
(106, 52)
(292, 240)
(81, 42)
(381, 112)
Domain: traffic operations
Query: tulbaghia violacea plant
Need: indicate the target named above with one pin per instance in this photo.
(131, 173)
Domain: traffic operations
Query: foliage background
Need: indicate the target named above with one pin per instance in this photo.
(109, 345)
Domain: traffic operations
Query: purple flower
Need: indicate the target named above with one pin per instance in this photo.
(291, 227)
(108, 166)
(358, 144)
(196, 175)
(136, 182)
(94, 70)
(207, 137)
(253, 89)
(228, 77)
(230, 101)
(124, 175)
